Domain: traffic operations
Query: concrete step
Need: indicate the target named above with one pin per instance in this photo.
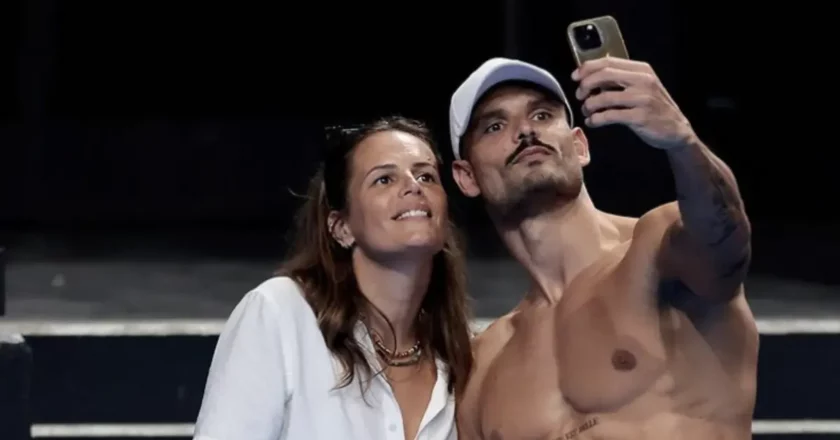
(119, 379)
(795, 436)
(755, 437)
(160, 379)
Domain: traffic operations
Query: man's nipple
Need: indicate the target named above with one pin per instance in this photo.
(623, 360)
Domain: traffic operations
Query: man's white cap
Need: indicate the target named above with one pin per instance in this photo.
(492, 72)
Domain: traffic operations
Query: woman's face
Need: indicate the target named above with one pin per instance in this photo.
(396, 204)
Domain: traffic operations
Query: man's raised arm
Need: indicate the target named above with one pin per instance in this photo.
(707, 243)
(708, 247)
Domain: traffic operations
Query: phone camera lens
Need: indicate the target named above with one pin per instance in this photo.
(587, 37)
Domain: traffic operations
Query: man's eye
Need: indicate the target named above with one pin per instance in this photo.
(542, 116)
(494, 127)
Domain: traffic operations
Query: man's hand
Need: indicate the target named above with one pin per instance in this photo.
(643, 105)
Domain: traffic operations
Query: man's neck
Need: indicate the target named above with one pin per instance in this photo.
(558, 243)
(396, 290)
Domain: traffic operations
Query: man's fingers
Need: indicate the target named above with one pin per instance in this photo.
(592, 66)
(610, 78)
(610, 100)
(630, 117)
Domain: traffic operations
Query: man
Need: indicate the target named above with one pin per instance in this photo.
(632, 328)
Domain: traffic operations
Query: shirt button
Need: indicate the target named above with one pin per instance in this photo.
(392, 427)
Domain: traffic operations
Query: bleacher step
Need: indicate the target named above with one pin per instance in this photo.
(160, 379)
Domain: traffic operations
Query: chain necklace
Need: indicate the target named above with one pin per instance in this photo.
(397, 359)
(394, 358)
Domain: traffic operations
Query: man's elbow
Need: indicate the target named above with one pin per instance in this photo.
(727, 272)
(731, 277)
(733, 256)
(717, 276)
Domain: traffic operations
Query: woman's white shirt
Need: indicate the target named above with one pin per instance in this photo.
(273, 378)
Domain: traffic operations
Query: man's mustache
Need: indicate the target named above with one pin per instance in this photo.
(527, 143)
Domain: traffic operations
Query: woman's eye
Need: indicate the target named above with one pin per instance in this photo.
(427, 177)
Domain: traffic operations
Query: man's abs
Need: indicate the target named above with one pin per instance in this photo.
(663, 426)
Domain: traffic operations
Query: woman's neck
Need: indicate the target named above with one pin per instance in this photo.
(396, 291)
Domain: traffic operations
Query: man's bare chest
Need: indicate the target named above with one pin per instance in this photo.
(556, 369)
(589, 368)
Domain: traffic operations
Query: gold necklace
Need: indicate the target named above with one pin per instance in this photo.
(394, 359)
(398, 359)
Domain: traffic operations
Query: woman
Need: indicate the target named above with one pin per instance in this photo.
(365, 335)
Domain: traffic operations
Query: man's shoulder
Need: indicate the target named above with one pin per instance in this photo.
(488, 342)
(645, 233)
(623, 225)
(657, 220)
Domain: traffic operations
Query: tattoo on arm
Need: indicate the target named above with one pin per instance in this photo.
(711, 206)
(708, 207)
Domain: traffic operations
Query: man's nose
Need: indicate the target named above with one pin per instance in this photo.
(524, 130)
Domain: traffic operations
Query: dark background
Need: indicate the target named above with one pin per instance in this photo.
(180, 127)
(148, 148)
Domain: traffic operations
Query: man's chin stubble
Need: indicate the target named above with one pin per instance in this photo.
(535, 197)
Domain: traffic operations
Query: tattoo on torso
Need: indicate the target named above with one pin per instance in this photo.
(589, 424)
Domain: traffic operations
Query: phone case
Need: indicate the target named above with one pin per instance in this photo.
(612, 43)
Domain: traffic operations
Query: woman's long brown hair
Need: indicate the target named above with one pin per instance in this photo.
(324, 270)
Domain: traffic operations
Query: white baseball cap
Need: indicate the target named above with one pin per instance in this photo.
(492, 72)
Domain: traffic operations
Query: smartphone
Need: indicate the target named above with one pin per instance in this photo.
(596, 38)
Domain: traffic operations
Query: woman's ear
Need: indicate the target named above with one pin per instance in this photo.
(339, 230)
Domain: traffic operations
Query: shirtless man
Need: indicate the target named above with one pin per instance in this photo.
(632, 328)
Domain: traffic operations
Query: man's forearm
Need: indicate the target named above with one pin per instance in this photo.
(710, 204)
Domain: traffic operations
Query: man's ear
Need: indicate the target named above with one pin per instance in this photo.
(339, 230)
(581, 144)
(463, 175)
